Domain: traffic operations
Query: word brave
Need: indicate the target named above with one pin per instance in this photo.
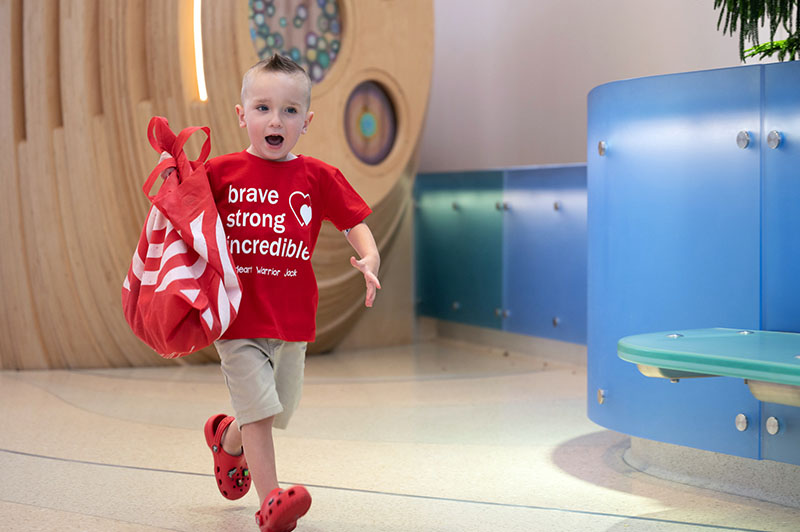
(252, 195)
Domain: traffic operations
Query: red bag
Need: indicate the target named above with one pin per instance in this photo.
(182, 291)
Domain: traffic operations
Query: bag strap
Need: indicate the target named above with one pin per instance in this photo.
(162, 139)
(154, 175)
(184, 135)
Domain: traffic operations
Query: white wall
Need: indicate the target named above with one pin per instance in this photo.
(511, 76)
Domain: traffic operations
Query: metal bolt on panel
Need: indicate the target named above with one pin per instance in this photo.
(774, 139)
(773, 425)
(743, 139)
(741, 422)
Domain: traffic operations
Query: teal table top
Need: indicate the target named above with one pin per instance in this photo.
(758, 355)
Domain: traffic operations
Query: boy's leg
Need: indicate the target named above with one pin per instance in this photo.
(288, 361)
(260, 451)
(232, 440)
(249, 375)
(290, 358)
(264, 378)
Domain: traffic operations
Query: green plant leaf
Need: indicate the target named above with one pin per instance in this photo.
(747, 16)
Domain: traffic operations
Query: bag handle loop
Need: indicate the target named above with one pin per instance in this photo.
(162, 139)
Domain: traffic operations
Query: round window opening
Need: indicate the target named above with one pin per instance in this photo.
(308, 31)
(370, 123)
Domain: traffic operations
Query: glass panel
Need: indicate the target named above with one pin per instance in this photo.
(781, 212)
(674, 243)
(545, 253)
(781, 243)
(459, 236)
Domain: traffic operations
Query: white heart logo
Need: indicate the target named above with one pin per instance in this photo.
(301, 207)
(305, 214)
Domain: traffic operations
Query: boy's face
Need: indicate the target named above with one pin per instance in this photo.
(275, 112)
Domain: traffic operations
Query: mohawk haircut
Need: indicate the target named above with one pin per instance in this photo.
(277, 63)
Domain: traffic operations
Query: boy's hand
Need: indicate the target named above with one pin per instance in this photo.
(366, 267)
(360, 237)
(165, 155)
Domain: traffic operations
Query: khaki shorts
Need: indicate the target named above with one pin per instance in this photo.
(264, 378)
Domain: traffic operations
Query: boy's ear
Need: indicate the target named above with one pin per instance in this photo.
(309, 116)
(240, 114)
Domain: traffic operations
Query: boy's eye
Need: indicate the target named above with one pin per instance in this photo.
(291, 110)
(262, 108)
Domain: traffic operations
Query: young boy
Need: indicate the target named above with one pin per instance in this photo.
(272, 204)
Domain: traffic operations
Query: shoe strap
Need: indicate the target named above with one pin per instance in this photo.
(223, 425)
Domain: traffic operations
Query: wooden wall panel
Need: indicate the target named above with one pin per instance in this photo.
(42, 222)
(20, 349)
(80, 79)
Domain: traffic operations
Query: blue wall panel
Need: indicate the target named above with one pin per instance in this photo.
(674, 232)
(513, 269)
(544, 264)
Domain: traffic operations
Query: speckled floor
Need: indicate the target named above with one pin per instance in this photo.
(438, 436)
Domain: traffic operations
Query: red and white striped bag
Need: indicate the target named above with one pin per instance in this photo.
(182, 291)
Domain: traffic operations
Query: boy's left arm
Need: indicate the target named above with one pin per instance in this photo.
(362, 241)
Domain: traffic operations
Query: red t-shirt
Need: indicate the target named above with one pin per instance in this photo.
(272, 213)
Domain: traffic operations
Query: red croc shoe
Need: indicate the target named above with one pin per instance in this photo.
(233, 477)
(282, 509)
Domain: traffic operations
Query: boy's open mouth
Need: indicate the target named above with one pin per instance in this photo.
(274, 140)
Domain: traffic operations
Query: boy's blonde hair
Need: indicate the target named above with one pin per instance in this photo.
(277, 63)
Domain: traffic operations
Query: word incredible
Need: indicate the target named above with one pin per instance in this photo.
(281, 247)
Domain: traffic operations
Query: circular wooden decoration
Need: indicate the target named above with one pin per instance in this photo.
(370, 123)
(307, 31)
